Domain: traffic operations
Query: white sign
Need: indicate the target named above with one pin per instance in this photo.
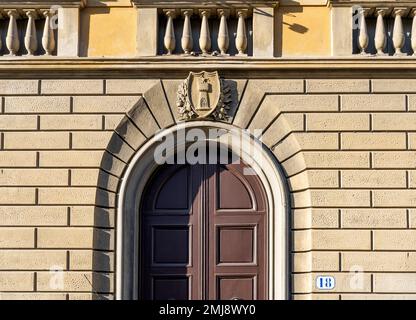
(325, 282)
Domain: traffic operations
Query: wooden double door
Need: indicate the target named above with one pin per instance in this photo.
(203, 234)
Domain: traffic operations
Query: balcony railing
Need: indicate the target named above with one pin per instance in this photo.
(28, 32)
(205, 32)
(39, 27)
(385, 31)
(222, 28)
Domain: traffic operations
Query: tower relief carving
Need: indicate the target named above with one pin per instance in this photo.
(204, 95)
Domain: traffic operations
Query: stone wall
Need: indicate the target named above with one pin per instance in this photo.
(347, 147)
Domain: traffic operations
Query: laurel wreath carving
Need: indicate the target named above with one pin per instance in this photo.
(221, 110)
(183, 103)
(224, 103)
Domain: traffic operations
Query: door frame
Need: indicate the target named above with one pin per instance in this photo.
(139, 171)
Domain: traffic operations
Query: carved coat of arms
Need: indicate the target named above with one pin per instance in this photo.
(203, 95)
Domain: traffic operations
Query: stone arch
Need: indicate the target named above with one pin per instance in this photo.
(156, 111)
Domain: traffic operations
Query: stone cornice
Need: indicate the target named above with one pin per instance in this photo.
(203, 4)
(41, 4)
(372, 3)
(227, 3)
(160, 67)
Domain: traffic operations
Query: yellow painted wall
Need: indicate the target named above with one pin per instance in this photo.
(109, 32)
(108, 29)
(306, 31)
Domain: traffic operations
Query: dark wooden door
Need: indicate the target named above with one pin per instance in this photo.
(203, 234)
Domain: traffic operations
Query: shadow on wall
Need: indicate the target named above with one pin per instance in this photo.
(99, 3)
(292, 8)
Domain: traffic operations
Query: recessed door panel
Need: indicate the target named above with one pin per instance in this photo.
(233, 192)
(170, 288)
(173, 193)
(238, 288)
(170, 245)
(236, 244)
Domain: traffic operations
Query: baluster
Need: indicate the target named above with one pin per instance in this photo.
(398, 33)
(363, 35)
(1, 43)
(204, 37)
(380, 38)
(48, 37)
(223, 38)
(187, 41)
(31, 40)
(413, 36)
(169, 39)
(12, 38)
(241, 38)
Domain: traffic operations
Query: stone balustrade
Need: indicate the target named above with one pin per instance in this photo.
(39, 32)
(223, 28)
(392, 31)
(38, 28)
(205, 31)
(373, 28)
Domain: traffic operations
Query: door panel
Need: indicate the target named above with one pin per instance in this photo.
(233, 193)
(171, 245)
(237, 258)
(170, 235)
(228, 286)
(170, 288)
(236, 244)
(174, 192)
(203, 234)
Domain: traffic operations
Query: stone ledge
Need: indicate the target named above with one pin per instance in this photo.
(162, 67)
(371, 3)
(41, 4)
(186, 62)
(228, 3)
(207, 4)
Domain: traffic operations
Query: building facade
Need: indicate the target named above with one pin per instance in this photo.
(91, 88)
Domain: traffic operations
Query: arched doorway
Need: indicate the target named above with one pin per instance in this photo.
(139, 174)
(203, 234)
